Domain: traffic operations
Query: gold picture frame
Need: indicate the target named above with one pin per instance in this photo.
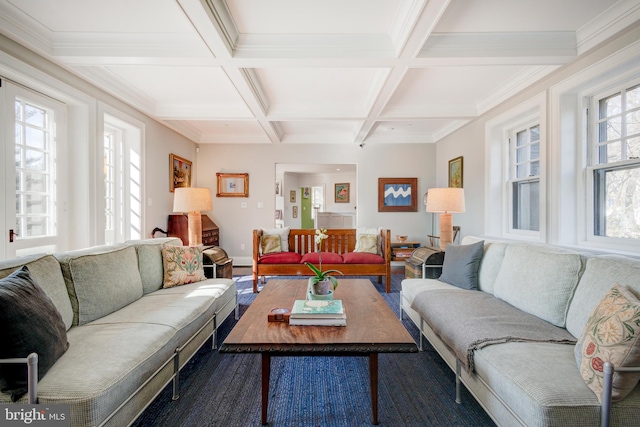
(180, 172)
(455, 172)
(232, 184)
(341, 193)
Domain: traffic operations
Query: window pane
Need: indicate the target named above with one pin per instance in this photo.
(633, 97)
(34, 116)
(18, 157)
(535, 133)
(526, 209)
(610, 106)
(535, 151)
(36, 204)
(36, 226)
(609, 153)
(633, 148)
(610, 129)
(521, 154)
(521, 138)
(633, 123)
(36, 182)
(35, 160)
(535, 169)
(35, 138)
(521, 171)
(619, 200)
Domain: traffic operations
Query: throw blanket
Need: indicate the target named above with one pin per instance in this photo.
(468, 320)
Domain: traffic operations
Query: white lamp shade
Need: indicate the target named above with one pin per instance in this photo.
(192, 199)
(446, 200)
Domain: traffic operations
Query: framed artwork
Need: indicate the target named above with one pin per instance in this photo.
(179, 172)
(306, 192)
(455, 172)
(292, 196)
(294, 212)
(397, 194)
(278, 191)
(278, 213)
(341, 193)
(233, 184)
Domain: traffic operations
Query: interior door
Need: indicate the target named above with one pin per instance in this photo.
(31, 217)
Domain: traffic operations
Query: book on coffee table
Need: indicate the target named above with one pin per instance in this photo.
(318, 312)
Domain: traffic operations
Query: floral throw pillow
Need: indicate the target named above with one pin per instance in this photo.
(270, 243)
(182, 265)
(611, 335)
(367, 243)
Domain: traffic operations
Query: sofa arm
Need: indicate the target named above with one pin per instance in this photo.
(32, 374)
(607, 387)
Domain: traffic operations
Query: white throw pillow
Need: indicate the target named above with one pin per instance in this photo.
(362, 231)
(282, 232)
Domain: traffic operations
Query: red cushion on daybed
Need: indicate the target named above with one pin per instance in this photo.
(327, 258)
(280, 258)
(361, 258)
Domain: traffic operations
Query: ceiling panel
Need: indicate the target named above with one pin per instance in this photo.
(306, 71)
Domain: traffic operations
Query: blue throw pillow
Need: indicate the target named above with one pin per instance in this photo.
(461, 264)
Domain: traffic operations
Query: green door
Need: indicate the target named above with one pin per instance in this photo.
(305, 208)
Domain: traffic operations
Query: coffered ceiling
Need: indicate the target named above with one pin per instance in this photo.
(311, 71)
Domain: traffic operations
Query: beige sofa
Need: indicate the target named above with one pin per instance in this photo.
(128, 337)
(533, 381)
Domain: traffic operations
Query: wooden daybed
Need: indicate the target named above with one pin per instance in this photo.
(337, 252)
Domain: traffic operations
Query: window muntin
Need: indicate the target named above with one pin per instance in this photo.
(34, 140)
(616, 164)
(524, 182)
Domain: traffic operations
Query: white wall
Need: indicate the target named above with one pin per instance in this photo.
(373, 162)
(469, 141)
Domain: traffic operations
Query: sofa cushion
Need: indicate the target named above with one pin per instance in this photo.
(363, 231)
(612, 334)
(461, 263)
(100, 280)
(598, 277)
(29, 323)
(282, 232)
(182, 265)
(150, 264)
(362, 258)
(538, 282)
(549, 392)
(46, 272)
(281, 258)
(327, 258)
(490, 265)
(270, 243)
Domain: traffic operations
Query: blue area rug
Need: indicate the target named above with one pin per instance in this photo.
(224, 389)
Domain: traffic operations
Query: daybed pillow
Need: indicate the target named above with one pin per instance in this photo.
(538, 281)
(461, 264)
(362, 258)
(611, 335)
(282, 232)
(367, 240)
(280, 258)
(270, 243)
(327, 258)
(182, 265)
(29, 323)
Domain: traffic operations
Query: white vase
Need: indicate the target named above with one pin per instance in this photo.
(315, 289)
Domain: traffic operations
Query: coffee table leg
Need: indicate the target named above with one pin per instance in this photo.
(266, 373)
(373, 380)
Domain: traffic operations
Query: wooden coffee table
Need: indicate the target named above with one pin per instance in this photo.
(372, 328)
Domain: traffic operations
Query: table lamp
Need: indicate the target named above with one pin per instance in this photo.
(445, 201)
(193, 200)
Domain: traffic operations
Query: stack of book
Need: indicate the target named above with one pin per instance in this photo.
(318, 312)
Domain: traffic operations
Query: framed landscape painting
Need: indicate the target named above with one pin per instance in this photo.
(342, 193)
(455, 172)
(180, 172)
(397, 194)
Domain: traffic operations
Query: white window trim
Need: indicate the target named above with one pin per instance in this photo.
(497, 190)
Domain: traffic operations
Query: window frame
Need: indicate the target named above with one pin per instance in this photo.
(592, 121)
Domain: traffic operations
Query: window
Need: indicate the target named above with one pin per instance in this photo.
(615, 163)
(317, 200)
(35, 169)
(122, 180)
(524, 178)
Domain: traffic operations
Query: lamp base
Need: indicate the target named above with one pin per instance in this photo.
(446, 230)
(195, 229)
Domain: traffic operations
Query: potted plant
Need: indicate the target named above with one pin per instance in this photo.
(319, 284)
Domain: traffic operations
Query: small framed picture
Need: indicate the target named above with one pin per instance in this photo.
(180, 172)
(455, 172)
(233, 184)
(292, 196)
(341, 193)
(294, 212)
(306, 192)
